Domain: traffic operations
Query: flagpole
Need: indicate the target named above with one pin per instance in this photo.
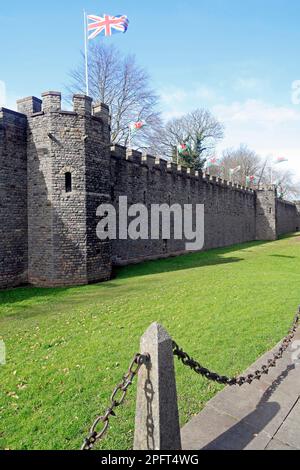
(129, 138)
(86, 54)
(271, 174)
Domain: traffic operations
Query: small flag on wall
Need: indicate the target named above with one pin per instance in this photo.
(183, 150)
(281, 160)
(214, 161)
(106, 25)
(233, 171)
(137, 126)
(250, 179)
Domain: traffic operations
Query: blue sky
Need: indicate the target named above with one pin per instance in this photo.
(237, 58)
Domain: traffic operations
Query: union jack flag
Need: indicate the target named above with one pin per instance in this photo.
(107, 24)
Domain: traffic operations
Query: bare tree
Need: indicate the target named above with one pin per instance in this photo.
(199, 130)
(125, 87)
(251, 164)
(287, 186)
(244, 160)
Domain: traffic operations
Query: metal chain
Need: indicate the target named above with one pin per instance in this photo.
(241, 380)
(121, 391)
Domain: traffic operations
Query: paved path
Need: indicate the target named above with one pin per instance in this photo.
(261, 416)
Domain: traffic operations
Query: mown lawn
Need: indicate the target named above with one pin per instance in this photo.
(67, 348)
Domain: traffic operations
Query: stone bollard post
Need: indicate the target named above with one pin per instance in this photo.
(157, 421)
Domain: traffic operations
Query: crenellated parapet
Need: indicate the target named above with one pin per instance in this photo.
(119, 152)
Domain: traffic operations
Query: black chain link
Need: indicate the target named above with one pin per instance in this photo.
(264, 370)
(115, 401)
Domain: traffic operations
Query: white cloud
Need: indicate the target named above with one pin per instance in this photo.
(2, 94)
(248, 84)
(178, 101)
(173, 102)
(8, 99)
(204, 92)
(258, 112)
(296, 92)
(268, 129)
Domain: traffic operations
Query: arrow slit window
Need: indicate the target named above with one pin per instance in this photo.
(68, 182)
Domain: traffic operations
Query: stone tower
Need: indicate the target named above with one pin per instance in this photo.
(68, 174)
(298, 216)
(266, 228)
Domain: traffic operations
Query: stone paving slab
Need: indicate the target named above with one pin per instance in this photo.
(289, 432)
(261, 416)
(278, 445)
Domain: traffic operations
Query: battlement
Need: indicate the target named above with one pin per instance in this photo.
(120, 152)
(288, 203)
(51, 102)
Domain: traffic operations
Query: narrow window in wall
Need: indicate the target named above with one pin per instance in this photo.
(112, 193)
(68, 182)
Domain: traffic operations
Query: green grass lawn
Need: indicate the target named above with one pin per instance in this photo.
(67, 348)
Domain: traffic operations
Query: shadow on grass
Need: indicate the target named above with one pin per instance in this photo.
(218, 256)
(284, 256)
(20, 294)
(212, 257)
(289, 235)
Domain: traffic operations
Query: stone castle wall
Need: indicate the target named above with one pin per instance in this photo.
(229, 210)
(57, 167)
(287, 217)
(13, 199)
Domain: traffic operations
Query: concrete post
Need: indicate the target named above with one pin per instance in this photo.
(157, 421)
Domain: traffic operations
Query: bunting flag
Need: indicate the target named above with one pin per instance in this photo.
(250, 179)
(137, 126)
(233, 171)
(214, 161)
(133, 128)
(281, 160)
(106, 25)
